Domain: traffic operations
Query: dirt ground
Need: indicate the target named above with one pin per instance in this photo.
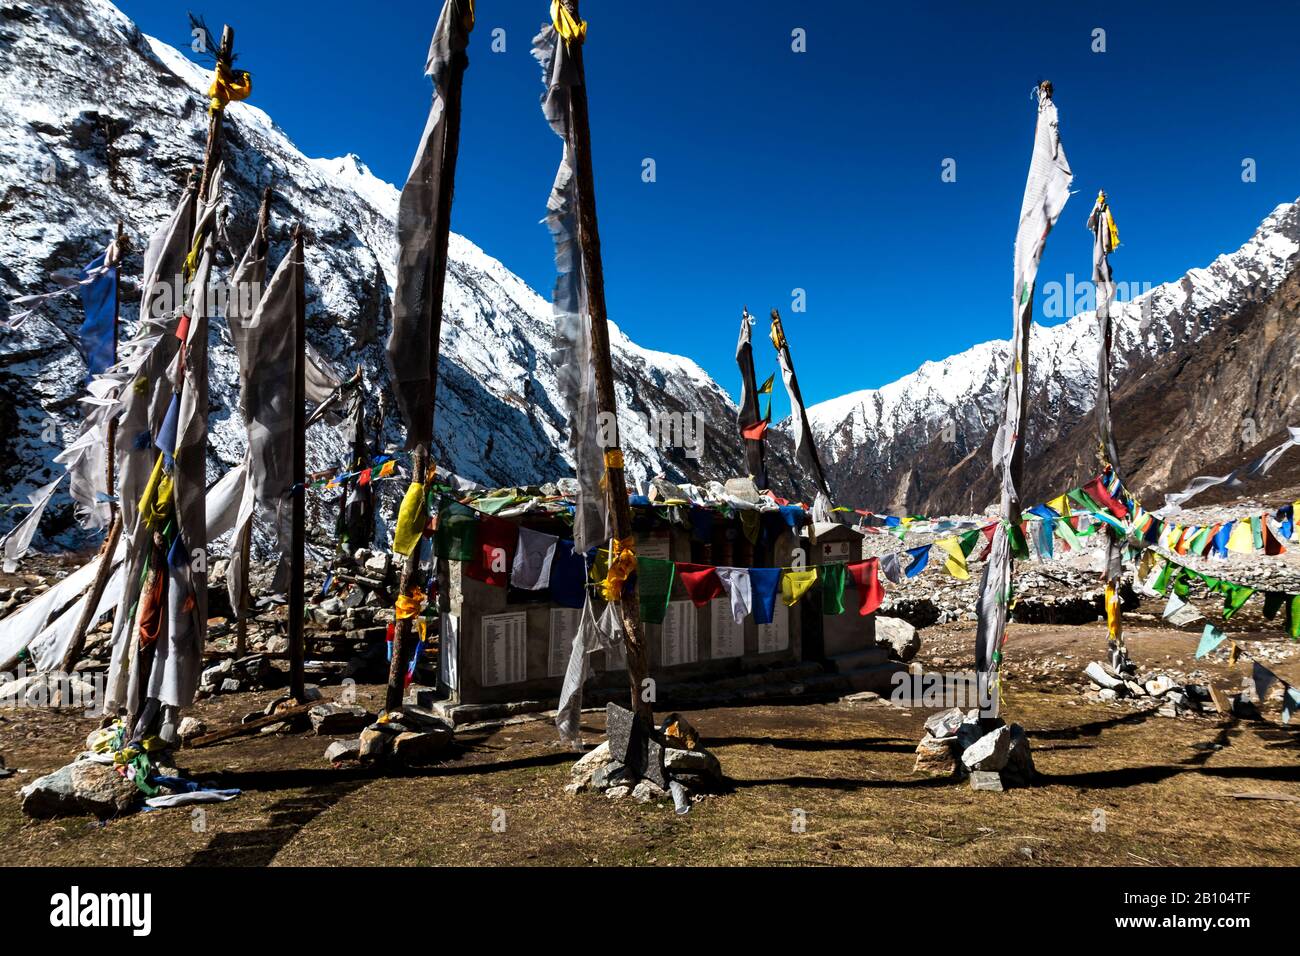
(1118, 786)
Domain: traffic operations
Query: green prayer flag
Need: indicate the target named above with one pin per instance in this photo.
(1162, 582)
(1274, 601)
(1235, 595)
(1293, 624)
(1257, 531)
(654, 579)
(832, 578)
(968, 541)
(1064, 529)
(1182, 583)
(494, 504)
(1082, 500)
(457, 532)
(1016, 539)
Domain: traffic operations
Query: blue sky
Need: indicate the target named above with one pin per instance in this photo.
(820, 170)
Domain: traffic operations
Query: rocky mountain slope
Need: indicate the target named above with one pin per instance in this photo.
(1199, 412)
(103, 123)
(921, 443)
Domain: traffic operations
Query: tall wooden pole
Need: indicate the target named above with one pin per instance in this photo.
(435, 282)
(225, 57)
(297, 562)
(616, 482)
(244, 544)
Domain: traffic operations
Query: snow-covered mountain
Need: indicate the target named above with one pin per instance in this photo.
(103, 123)
(890, 448)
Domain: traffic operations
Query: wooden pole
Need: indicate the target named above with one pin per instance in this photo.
(616, 482)
(225, 56)
(435, 282)
(110, 466)
(297, 563)
(244, 544)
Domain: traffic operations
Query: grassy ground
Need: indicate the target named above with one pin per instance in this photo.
(1118, 787)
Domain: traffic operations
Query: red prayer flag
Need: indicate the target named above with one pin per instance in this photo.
(755, 431)
(495, 551)
(364, 477)
(701, 582)
(1272, 545)
(866, 575)
(1097, 491)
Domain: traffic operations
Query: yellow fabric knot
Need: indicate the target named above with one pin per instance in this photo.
(1111, 238)
(567, 27)
(778, 336)
(622, 562)
(228, 85)
(192, 259)
(410, 606)
(614, 459)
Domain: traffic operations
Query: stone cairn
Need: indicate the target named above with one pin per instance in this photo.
(1169, 695)
(995, 755)
(648, 766)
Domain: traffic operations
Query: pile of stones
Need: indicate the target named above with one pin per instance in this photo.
(408, 737)
(1172, 697)
(648, 764)
(230, 676)
(363, 587)
(993, 754)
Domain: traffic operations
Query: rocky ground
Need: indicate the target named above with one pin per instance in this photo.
(821, 782)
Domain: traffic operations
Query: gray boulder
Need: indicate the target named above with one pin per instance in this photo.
(374, 743)
(343, 750)
(944, 723)
(990, 752)
(699, 762)
(1098, 675)
(189, 728)
(1020, 759)
(936, 756)
(647, 792)
(420, 747)
(83, 788)
(899, 636)
(331, 720)
(986, 780)
(582, 773)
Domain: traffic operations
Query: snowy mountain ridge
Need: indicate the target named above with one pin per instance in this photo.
(872, 440)
(75, 158)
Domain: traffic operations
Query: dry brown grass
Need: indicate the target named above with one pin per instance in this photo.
(1164, 789)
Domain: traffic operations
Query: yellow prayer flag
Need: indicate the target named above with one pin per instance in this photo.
(1114, 619)
(410, 520)
(956, 563)
(1242, 540)
(795, 584)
